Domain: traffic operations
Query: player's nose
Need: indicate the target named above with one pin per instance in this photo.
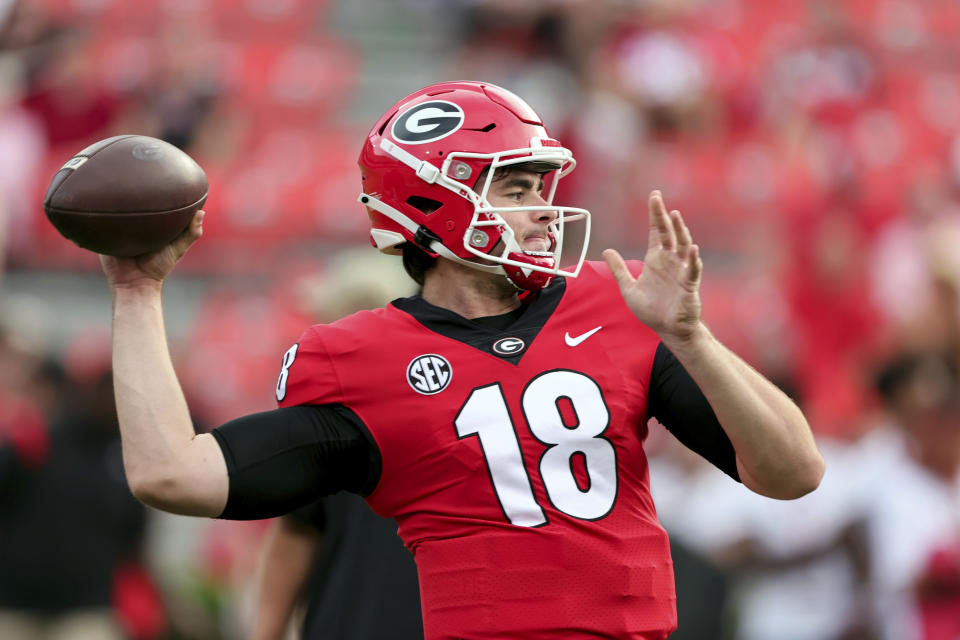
(543, 216)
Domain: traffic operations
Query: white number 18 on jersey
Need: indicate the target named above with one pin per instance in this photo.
(485, 414)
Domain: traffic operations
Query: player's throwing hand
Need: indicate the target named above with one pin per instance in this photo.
(152, 268)
(666, 296)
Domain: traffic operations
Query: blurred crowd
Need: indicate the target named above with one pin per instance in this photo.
(813, 146)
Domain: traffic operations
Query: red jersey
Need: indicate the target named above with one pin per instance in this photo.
(512, 459)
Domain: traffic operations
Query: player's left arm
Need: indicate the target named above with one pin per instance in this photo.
(776, 453)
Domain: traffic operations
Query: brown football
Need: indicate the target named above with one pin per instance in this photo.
(125, 195)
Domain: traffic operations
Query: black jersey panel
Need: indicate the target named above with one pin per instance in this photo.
(286, 458)
(505, 336)
(678, 404)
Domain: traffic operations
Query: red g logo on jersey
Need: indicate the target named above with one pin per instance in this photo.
(429, 374)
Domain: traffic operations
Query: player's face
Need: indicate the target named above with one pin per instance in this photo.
(517, 189)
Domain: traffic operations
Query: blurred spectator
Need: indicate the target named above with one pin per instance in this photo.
(787, 570)
(681, 488)
(916, 269)
(343, 563)
(914, 515)
(348, 570)
(835, 326)
(68, 98)
(21, 134)
(24, 438)
(70, 562)
(24, 148)
(173, 84)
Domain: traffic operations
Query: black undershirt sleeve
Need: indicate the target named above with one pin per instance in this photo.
(678, 404)
(286, 458)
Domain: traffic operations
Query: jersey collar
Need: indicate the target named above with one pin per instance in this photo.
(483, 333)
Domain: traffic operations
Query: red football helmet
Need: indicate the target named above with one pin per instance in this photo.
(422, 160)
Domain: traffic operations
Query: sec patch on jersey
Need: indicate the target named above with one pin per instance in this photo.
(429, 374)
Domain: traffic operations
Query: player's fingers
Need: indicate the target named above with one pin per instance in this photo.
(195, 230)
(661, 230)
(196, 225)
(191, 234)
(684, 239)
(618, 268)
(695, 266)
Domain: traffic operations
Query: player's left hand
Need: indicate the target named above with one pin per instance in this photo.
(666, 296)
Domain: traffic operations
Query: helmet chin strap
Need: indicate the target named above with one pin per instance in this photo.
(524, 277)
(529, 279)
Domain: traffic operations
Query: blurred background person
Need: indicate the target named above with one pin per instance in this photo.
(784, 571)
(335, 569)
(71, 561)
(913, 528)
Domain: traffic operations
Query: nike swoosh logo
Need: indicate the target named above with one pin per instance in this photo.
(574, 341)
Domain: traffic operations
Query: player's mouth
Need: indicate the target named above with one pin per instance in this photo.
(536, 245)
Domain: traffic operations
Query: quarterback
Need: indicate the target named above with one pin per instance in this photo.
(500, 414)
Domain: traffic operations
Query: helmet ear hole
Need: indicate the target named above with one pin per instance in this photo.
(424, 205)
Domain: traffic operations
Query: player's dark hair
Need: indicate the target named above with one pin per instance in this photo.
(505, 172)
(416, 262)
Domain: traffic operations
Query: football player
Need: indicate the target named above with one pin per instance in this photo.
(499, 416)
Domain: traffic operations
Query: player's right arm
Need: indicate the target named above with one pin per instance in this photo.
(256, 466)
(168, 466)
